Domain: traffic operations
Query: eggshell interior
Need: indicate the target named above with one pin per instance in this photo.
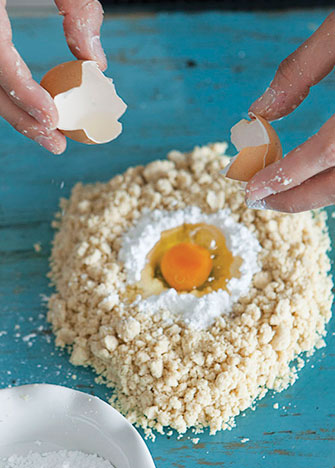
(248, 133)
(258, 145)
(87, 103)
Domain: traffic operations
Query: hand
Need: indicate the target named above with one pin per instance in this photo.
(23, 102)
(305, 178)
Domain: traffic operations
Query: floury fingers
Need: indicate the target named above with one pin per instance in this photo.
(164, 371)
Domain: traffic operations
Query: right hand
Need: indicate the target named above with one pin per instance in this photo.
(305, 178)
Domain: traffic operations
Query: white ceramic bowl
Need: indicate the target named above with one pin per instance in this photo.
(44, 418)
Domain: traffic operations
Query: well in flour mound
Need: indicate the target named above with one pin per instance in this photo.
(166, 373)
(197, 312)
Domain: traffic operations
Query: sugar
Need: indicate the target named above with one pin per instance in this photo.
(60, 459)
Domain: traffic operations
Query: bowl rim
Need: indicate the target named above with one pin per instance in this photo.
(102, 407)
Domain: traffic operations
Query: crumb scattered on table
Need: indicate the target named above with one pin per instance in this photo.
(37, 247)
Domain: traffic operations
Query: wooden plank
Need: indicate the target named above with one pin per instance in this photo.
(31, 7)
(187, 79)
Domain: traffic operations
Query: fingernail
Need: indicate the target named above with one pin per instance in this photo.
(48, 144)
(97, 50)
(264, 103)
(256, 204)
(258, 193)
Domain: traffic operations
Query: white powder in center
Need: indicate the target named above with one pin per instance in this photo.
(198, 313)
(60, 459)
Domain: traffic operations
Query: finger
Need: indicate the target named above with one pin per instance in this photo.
(16, 79)
(82, 22)
(301, 70)
(52, 140)
(317, 192)
(315, 155)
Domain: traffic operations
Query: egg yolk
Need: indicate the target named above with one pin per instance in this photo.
(186, 266)
(190, 258)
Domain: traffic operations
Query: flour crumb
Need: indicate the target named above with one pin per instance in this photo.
(26, 397)
(195, 440)
(275, 405)
(28, 339)
(287, 181)
(244, 440)
(44, 300)
(37, 247)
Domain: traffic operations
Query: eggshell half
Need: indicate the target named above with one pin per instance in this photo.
(87, 103)
(258, 145)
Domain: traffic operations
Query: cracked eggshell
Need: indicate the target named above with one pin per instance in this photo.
(86, 100)
(258, 145)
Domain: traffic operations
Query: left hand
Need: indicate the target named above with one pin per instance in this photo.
(23, 102)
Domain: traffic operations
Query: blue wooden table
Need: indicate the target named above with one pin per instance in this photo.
(187, 78)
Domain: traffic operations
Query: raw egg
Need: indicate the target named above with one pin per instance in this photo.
(186, 266)
(189, 258)
(258, 145)
(87, 103)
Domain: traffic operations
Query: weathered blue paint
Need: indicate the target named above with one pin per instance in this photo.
(187, 79)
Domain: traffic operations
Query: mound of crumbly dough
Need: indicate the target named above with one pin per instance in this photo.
(167, 374)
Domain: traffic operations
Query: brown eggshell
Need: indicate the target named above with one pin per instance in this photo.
(252, 159)
(63, 77)
(60, 79)
(275, 150)
(248, 161)
(68, 76)
(78, 135)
